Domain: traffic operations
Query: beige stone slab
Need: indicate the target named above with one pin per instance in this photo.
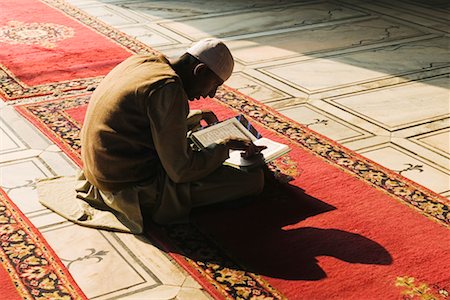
(81, 3)
(110, 15)
(191, 283)
(254, 88)
(320, 39)
(354, 68)
(288, 102)
(19, 155)
(420, 10)
(8, 141)
(59, 163)
(430, 141)
(410, 166)
(19, 174)
(191, 293)
(155, 10)
(26, 199)
(20, 129)
(46, 218)
(176, 51)
(401, 106)
(369, 142)
(147, 35)
(162, 292)
(241, 23)
(20, 170)
(324, 124)
(405, 15)
(100, 267)
(53, 148)
(437, 159)
(439, 141)
(320, 74)
(166, 33)
(350, 117)
(279, 85)
(22, 173)
(389, 81)
(441, 5)
(168, 292)
(154, 259)
(423, 129)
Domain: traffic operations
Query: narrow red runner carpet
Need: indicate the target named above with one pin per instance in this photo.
(29, 268)
(344, 228)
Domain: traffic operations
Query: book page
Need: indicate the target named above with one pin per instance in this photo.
(273, 150)
(226, 129)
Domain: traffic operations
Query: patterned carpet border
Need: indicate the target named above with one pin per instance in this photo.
(226, 277)
(33, 267)
(13, 88)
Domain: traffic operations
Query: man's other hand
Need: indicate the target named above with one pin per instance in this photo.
(245, 145)
(209, 117)
(196, 116)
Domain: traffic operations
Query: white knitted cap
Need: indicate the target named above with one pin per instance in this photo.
(215, 54)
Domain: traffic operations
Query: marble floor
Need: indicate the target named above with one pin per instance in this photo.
(373, 76)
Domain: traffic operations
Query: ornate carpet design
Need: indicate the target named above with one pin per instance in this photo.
(73, 68)
(204, 257)
(33, 269)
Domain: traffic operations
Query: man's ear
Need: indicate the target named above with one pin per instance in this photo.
(200, 68)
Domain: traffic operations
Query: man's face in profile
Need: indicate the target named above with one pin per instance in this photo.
(204, 84)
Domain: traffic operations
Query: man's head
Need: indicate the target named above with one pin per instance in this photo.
(204, 67)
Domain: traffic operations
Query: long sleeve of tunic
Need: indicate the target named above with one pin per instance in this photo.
(167, 112)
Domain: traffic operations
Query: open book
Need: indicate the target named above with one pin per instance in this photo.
(239, 127)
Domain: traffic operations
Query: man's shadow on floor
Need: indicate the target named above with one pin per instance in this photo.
(255, 237)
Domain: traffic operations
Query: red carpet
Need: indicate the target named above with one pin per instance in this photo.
(29, 268)
(48, 47)
(344, 228)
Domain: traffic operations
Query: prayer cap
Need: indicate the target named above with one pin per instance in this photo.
(215, 54)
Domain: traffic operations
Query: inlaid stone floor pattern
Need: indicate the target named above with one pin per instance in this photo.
(373, 76)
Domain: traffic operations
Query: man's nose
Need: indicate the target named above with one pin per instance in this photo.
(212, 93)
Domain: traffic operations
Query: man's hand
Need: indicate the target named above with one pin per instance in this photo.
(245, 145)
(196, 116)
(209, 117)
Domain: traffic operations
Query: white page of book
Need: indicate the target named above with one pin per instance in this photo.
(273, 150)
(223, 130)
